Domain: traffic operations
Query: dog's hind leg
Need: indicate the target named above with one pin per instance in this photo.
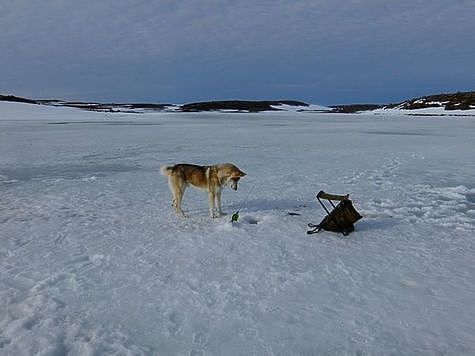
(178, 198)
(177, 190)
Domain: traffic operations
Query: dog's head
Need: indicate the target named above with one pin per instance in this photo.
(230, 174)
(234, 179)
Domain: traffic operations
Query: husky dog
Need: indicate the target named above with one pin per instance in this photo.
(208, 178)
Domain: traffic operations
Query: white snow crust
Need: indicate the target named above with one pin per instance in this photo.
(434, 111)
(93, 261)
(302, 108)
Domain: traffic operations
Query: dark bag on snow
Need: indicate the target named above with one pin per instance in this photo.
(340, 219)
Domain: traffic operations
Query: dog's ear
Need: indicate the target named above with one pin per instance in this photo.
(241, 174)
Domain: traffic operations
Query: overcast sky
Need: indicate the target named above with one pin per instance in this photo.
(320, 51)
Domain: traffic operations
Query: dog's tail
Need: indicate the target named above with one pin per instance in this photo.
(166, 170)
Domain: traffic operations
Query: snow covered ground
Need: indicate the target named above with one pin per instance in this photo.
(94, 262)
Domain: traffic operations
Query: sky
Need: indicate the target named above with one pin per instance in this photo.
(321, 51)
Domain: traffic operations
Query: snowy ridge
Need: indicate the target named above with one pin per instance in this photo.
(453, 104)
(93, 261)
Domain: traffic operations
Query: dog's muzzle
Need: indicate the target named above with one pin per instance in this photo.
(234, 183)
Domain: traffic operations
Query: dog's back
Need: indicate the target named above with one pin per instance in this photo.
(187, 173)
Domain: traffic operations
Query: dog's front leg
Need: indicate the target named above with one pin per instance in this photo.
(211, 204)
(218, 200)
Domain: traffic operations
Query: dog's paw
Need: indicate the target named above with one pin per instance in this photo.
(215, 215)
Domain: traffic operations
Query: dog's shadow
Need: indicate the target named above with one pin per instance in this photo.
(260, 206)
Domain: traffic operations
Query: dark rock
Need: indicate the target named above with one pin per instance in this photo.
(239, 105)
(17, 99)
(352, 108)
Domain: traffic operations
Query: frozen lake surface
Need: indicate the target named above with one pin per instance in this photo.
(93, 260)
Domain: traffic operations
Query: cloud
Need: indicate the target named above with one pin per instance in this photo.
(169, 37)
(161, 28)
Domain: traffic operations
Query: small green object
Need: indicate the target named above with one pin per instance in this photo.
(235, 217)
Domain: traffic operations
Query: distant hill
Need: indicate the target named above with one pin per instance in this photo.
(239, 105)
(231, 105)
(450, 101)
(111, 107)
(104, 107)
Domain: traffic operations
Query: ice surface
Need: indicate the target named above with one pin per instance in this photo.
(93, 260)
